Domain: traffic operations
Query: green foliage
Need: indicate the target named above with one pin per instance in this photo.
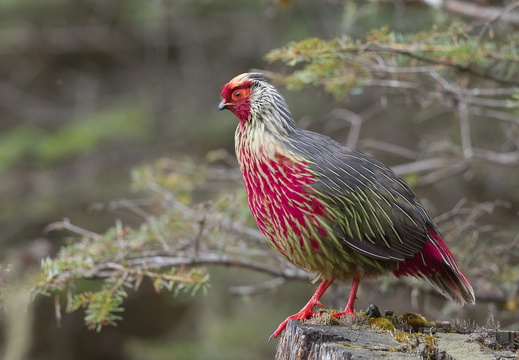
(165, 248)
(14, 144)
(108, 257)
(101, 307)
(343, 63)
(126, 121)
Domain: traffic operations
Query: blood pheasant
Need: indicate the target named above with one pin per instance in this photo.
(329, 209)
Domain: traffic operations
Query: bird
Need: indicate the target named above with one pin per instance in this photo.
(328, 209)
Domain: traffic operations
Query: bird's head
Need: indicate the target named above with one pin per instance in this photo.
(238, 93)
(253, 100)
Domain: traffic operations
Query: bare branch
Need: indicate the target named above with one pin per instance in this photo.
(496, 114)
(491, 13)
(491, 91)
(355, 121)
(390, 148)
(66, 225)
(399, 84)
(284, 269)
(254, 289)
(423, 165)
(508, 158)
(443, 173)
(466, 141)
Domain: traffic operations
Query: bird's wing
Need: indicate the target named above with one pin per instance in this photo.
(372, 209)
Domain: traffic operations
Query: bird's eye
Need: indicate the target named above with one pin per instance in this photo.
(237, 95)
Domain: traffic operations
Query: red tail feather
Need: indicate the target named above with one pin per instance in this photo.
(436, 264)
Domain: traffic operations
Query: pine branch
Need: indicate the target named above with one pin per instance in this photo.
(343, 63)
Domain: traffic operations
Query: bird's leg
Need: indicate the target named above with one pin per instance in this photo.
(307, 310)
(351, 300)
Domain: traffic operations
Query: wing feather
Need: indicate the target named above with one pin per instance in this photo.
(374, 211)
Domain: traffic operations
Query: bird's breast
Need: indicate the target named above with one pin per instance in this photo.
(286, 209)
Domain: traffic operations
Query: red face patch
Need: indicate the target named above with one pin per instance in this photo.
(237, 98)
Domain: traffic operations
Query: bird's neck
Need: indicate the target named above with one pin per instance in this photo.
(255, 141)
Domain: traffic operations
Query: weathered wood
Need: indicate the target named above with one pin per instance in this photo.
(460, 347)
(315, 342)
(307, 341)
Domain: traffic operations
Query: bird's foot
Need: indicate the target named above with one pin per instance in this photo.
(304, 313)
(347, 312)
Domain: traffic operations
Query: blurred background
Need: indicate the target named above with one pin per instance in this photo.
(91, 89)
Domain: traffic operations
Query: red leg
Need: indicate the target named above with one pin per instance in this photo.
(351, 300)
(308, 310)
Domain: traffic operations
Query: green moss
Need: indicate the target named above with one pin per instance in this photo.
(402, 336)
(413, 320)
(382, 323)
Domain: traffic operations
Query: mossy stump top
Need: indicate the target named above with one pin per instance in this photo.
(311, 341)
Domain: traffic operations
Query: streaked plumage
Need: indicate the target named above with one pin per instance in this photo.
(329, 209)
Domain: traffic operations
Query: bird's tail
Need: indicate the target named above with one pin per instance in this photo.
(436, 264)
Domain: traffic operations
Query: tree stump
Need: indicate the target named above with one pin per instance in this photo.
(307, 341)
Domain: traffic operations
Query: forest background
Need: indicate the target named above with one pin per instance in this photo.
(123, 216)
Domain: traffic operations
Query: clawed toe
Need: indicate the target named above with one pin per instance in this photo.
(302, 315)
(344, 313)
